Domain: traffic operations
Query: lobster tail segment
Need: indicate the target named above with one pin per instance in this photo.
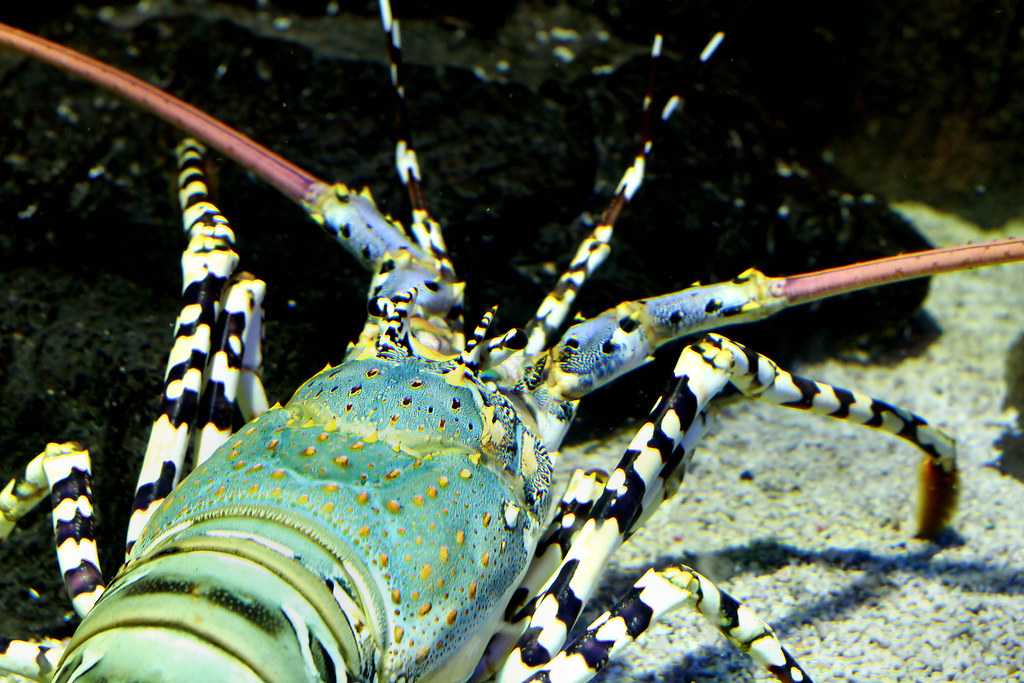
(211, 605)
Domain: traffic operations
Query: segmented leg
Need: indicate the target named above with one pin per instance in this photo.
(425, 229)
(583, 489)
(595, 247)
(34, 659)
(241, 308)
(759, 377)
(207, 265)
(399, 265)
(654, 464)
(63, 471)
(655, 594)
(252, 397)
(662, 445)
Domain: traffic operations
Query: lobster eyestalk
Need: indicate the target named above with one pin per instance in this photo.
(295, 183)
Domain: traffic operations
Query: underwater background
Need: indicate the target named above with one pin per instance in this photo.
(793, 141)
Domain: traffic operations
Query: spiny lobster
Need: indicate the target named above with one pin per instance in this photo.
(395, 303)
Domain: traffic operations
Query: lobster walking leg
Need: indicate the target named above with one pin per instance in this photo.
(297, 555)
(661, 446)
(654, 595)
(241, 309)
(595, 247)
(232, 377)
(34, 659)
(654, 464)
(582, 491)
(759, 377)
(207, 264)
(252, 397)
(62, 471)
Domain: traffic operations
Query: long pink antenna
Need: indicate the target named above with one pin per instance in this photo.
(299, 185)
(294, 182)
(832, 281)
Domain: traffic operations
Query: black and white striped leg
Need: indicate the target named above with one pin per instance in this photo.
(759, 377)
(207, 265)
(425, 229)
(656, 455)
(651, 470)
(583, 489)
(241, 308)
(64, 471)
(654, 595)
(34, 658)
(252, 397)
(595, 247)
